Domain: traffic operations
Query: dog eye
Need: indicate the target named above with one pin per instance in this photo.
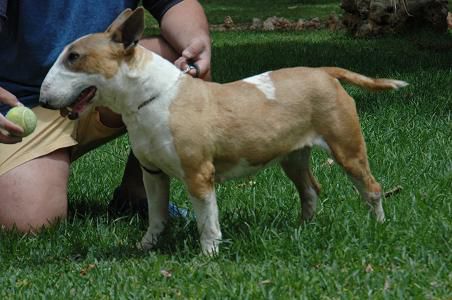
(73, 56)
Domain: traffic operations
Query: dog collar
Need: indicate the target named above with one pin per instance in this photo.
(154, 97)
(146, 102)
(153, 172)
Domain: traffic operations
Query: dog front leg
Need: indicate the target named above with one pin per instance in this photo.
(157, 191)
(206, 211)
(200, 182)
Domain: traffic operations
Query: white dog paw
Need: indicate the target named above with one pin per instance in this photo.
(210, 247)
(379, 212)
(380, 216)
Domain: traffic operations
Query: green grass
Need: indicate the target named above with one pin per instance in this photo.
(266, 253)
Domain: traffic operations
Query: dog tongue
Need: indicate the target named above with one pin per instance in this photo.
(79, 106)
(85, 96)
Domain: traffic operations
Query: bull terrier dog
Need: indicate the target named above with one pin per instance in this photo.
(204, 132)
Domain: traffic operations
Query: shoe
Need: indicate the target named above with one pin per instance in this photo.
(177, 212)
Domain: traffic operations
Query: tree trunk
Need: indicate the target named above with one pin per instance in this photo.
(369, 17)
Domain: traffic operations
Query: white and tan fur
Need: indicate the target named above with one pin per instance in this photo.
(203, 132)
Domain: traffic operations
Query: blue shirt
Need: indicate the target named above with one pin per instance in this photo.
(37, 31)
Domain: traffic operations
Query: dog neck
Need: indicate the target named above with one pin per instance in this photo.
(146, 77)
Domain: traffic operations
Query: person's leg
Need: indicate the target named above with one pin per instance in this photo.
(30, 200)
(34, 174)
(130, 196)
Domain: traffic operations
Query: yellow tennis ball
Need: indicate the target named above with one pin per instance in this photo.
(24, 117)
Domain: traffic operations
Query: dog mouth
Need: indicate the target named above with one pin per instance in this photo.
(80, 103)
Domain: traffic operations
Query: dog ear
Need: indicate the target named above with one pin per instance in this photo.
(119, 20)
(129, 28)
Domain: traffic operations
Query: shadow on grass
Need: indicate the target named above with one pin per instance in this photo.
(179, 237)
(86, 208)
(254, 52)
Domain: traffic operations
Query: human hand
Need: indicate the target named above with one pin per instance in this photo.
(197, 53)
(8, 129)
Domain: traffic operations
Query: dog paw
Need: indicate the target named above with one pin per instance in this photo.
(380, 216)
(210, 247)
(148, 242)
(379, 212)
(145, 246)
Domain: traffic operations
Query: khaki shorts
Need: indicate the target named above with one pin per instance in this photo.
(54, 132)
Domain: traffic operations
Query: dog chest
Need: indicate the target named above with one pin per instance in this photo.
(151, 140)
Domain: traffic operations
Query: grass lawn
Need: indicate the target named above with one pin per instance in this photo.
(342, 253)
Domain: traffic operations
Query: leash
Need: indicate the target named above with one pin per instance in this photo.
(192, 66)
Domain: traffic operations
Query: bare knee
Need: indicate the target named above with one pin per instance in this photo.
(32, 217)
(34, 195)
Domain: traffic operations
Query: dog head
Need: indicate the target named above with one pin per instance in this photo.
(87, 70)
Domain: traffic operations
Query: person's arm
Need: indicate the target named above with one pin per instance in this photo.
(5, 125)
(184, 26)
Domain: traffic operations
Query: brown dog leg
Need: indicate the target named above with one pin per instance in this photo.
(351, 154)
(354, 161)
(297, 168)
(341, 131)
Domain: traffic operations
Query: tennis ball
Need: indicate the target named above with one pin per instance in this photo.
(24, 117)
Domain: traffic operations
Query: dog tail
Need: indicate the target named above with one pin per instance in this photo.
(373, 84)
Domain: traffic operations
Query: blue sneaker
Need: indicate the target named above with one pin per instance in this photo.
(176, 212)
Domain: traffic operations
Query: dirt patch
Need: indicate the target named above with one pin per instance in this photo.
(333, 22)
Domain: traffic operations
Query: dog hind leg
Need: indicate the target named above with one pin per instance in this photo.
(341, 131)
(297, 167)
(351, 154)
